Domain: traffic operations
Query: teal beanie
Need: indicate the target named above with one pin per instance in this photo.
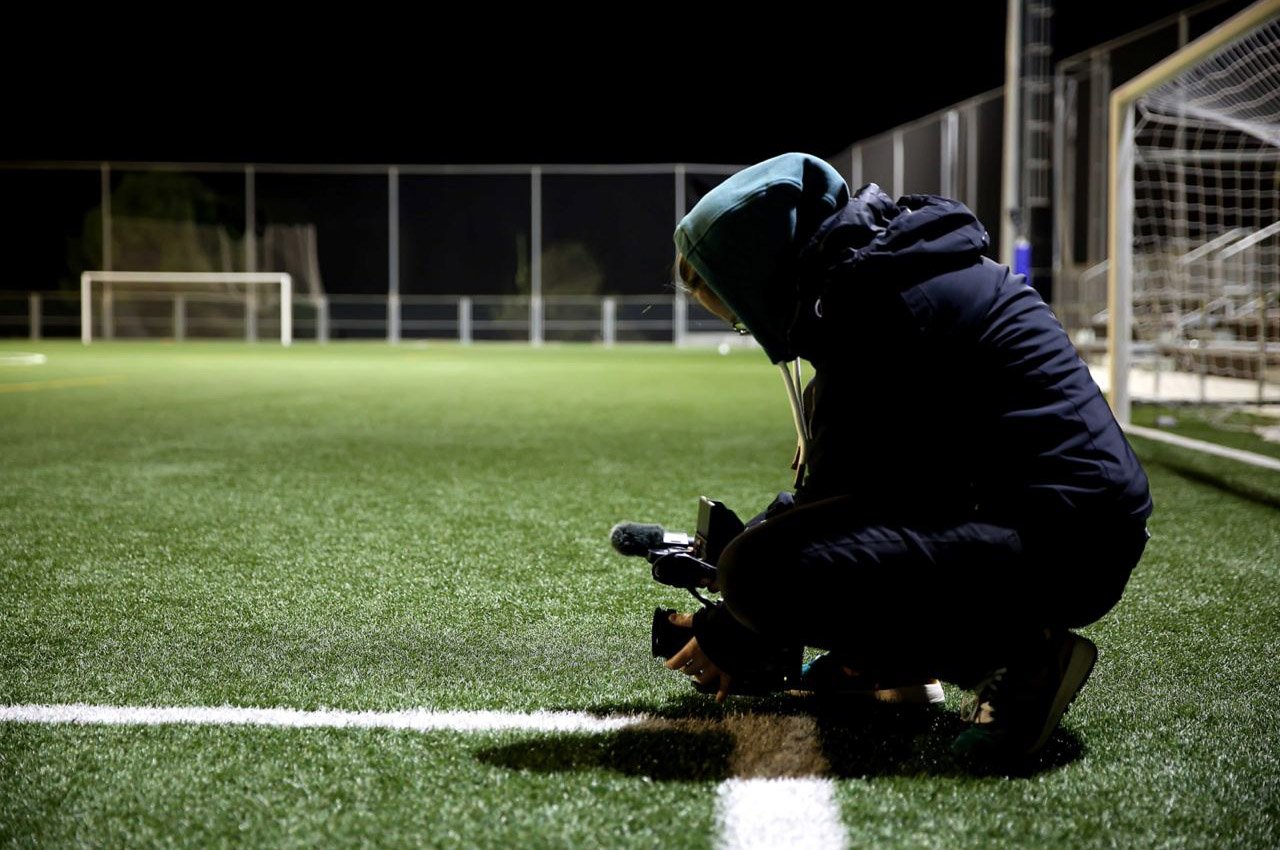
(744, 235)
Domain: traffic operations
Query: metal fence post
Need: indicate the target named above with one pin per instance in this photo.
(899, 165)
(107, 234)
(681, 304)
(464, 320)
(250, 219)
(286, 309)
(679, 319)
(950, 158)
(33, 312)
(322, 319)
(393, 255)
(608, 320)
(250, 315)
(1262, 332)
(535, 260)
(86, 309)
(108, 311)
(179, 317)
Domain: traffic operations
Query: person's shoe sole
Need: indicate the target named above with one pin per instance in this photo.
(1083, 654)
(929, 693)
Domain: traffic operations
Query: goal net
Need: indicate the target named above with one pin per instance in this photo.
(186, 305)
(1194, 311)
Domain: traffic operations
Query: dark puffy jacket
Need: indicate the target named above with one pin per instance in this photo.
(945, 386)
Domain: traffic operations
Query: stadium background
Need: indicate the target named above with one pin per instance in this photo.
(374, 528)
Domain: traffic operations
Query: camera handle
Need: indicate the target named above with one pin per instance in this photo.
(675, 567)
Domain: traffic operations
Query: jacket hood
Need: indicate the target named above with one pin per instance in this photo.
(876, 244)
(917, 235)
(744, 236)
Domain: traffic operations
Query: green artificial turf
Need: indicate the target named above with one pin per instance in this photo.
(372, 527)
(1236, 429)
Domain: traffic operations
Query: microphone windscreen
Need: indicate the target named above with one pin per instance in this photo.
(636, 538)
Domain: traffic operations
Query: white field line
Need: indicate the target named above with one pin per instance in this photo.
(1251, 458)
(418, 720)
(778, 799)
(779, 813)
(22, 358)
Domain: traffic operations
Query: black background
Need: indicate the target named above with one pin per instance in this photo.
(601, 84)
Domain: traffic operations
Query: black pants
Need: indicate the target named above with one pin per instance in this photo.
(945, 600)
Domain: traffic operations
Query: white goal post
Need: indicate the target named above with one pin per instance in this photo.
(174, 285)
(1193, 306)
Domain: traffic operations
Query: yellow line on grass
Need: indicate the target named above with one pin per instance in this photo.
(59, 383)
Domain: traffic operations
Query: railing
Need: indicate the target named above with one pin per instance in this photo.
(185, 315)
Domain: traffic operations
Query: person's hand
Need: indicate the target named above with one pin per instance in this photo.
(693, 662)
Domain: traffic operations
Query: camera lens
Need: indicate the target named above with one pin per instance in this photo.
(668, 638)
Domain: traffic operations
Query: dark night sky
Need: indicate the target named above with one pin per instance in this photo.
(630, 88)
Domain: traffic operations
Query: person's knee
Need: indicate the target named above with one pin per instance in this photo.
(749, 581)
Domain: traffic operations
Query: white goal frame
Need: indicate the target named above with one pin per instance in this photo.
(107, 278)
(1121, 190)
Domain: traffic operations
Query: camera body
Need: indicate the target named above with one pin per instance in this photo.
(693, 565)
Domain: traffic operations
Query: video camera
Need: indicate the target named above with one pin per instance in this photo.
(679, 560)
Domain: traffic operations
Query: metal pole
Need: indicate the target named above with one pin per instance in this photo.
(33, 311)
(971, 159)
(250, 314)
(682, 300)
(286, 309)
(86, 310)
(250, 220)
(1262, 330)
(322, 319)
(679, 321)
(106, 216)
(1009, 180)
(856, 167)
(108, 311)
(1060, 214)
(464, 320)
(950, 153)
(535, 265)
(1155, 372)
(1202, 364)
(1099, 120)
(393, 255)
(179, 317)
(682, 196)
(899, 166)
(608, 320)
(1120, 267)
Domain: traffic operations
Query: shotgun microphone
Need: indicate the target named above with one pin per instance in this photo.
(638, 538)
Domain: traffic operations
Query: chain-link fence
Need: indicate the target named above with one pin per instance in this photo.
(474, 252)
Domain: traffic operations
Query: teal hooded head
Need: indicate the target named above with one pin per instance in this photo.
(743, 238)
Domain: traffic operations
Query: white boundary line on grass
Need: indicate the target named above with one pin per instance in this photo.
(22, 358)
(1251, 458)
(788, 811)
(417, 720)
(779, 814)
